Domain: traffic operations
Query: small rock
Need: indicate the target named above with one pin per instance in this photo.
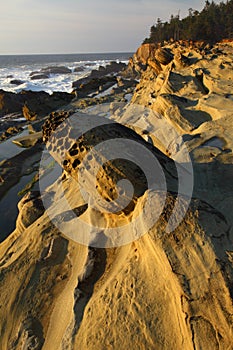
(16, 82)
(79, 69)
(39, 76)
(28, 114)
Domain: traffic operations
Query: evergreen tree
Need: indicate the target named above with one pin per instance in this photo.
(213, 23)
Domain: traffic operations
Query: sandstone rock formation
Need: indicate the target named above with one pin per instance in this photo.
(145, 52)
(69, 148)
(163, 56)
(172, 286)
(166, 289)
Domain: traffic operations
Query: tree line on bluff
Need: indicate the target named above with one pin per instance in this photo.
(212, 24)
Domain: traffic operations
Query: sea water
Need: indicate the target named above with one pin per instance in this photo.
(19, 67)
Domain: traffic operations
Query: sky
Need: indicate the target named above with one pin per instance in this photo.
(82, 26)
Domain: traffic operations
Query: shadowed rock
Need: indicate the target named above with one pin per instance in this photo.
(38, 103)
(164, 56)
(85, 146)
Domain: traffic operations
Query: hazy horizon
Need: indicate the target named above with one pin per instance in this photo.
(65, 53)
(76, 27)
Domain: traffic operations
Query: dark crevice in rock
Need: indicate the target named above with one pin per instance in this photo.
(200, 78)
(30, 335)
(95, 268)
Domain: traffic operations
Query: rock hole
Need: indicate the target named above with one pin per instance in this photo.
(75, 145)
(73, 152)
(76, 163)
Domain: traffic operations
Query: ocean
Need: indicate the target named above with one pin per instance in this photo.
(19, 67)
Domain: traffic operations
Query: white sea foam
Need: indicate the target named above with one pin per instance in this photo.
(55, 82)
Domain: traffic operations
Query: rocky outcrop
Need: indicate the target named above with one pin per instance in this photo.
(10, 131)
(154, 56)
(164, 289)
(193, 97)
(28, 115)
(181, 60)
(40, 103)
(86, 86)
(101, 73)
(13, 169)
(79, 69)
(70, 150)
(56, 70)
(164, 56)
(133, 69)
(153, 63)
(29, 140)
(145, 52)
(51, 70)
(54, 120)
(184, 274)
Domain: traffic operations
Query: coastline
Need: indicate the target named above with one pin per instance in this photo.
(69, 294)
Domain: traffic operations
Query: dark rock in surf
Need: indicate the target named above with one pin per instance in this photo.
(56, 70)
(45, 72)
(110, 69)
(39, 76)
(79, 69)
(16, 82)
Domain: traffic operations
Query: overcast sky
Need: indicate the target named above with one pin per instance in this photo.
(82, 26)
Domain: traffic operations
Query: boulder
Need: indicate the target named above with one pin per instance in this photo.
(79, 69)
(39, 76)
(16, 82)
(56, 70)
(144, 52)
